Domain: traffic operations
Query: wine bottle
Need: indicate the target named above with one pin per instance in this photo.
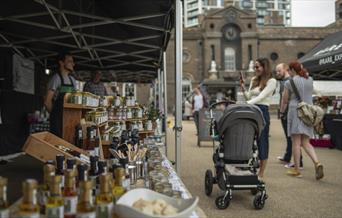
(104, 200)
(85, 206)
(93, 173)
(60, 167)
(43, 189)
(29, 207)
(118, 190)
(54, 207)
(82, 172)
(79, 136)
(71, 163)
(70, 194)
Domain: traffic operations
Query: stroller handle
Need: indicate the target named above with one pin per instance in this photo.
(221, 102)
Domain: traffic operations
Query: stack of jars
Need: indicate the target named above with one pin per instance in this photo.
(158, 175)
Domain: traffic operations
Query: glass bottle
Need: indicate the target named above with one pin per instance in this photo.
(102, 167)
(4, 212)
(54, 207)
(70, 194)
(104, 200)
(60, 167)
(43, 189)
(93, 173)
(118, 190)
(85, 206)
(29, 207)
(71, 164)
(79, 136)
(82, 172)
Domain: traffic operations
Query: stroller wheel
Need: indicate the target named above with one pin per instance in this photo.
(222, 202)
(254, 191)
(208, 182)
(259, 201)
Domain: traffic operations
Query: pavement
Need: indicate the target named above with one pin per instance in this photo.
(288, 197)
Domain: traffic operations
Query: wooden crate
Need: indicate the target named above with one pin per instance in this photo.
(42, 146)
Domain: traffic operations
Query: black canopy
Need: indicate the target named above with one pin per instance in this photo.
(325, 60)
(125, 38)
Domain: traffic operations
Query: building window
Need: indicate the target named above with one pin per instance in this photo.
(260, 21)
(186, 87)
(340, 11)
(229, 59)
(247, 4)
(274, 56)
(300, 54)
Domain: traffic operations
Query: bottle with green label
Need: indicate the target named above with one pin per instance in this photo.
(54, 207)
(104, 200)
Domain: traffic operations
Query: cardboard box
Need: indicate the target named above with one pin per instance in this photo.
(43, 147)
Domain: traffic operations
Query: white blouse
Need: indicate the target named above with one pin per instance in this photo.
(264, 97)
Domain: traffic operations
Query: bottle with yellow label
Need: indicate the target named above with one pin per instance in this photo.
(4, 212)
(70, 194)
(118, 190)
(43, 189)
(85, 206)
(54, 207)
(104, 200)
(29, 206)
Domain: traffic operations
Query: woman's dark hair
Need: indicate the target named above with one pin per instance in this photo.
(298, 68)
(261, 81)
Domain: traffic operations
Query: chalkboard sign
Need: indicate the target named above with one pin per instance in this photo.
(204, 124)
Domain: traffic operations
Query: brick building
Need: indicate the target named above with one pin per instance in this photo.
(236, 39)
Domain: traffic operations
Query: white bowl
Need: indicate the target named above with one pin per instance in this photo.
(123, 207)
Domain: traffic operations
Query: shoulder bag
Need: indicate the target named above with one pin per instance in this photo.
(311, 115)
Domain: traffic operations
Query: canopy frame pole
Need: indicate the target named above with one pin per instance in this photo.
(178, 83)
(165, 100)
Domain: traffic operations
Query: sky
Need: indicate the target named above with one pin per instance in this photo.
(313, 12)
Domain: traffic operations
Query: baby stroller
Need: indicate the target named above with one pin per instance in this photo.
(235, 158)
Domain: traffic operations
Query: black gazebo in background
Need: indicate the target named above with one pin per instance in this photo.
(324, 62)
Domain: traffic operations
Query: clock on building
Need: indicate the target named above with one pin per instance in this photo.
(230, 33)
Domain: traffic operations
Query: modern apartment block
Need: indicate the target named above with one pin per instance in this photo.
(266, 10)
(269, 12)
(193, 8)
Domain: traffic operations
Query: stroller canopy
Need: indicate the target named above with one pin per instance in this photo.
(241, 111)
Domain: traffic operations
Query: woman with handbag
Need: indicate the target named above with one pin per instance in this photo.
(261, 89)
(299, 90)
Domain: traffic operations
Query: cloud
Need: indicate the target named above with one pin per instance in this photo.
(313, 12)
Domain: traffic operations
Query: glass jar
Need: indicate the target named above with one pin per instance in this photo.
(149, 126)
(176, 194)
(117, 102)
(129, 113)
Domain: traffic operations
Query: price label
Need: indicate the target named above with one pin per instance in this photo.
(55, 212)
(104, 210)
(4, 213)
(70, 205)
(86, 215)
(33, 215)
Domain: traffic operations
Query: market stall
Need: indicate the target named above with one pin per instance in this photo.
(324, 62)
(127, 41)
